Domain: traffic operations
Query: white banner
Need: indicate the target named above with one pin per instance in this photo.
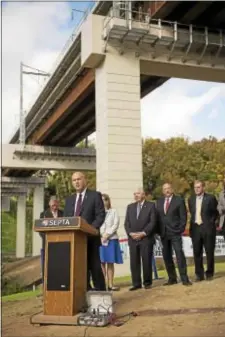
(187, 246)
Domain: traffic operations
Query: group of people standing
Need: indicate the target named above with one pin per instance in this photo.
(144, 219)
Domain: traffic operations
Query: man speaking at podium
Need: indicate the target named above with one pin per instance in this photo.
(89, 205)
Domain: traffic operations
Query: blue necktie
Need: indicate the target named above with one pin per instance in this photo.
(138, 209)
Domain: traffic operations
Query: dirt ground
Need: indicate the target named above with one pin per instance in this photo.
(162, 311)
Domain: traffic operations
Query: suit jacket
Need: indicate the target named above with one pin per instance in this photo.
(48, 214)
(209, 213)
(92, 210)
(221, 209)
(174, 221)
(146, 221)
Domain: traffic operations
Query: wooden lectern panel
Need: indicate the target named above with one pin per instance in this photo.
(67, 302)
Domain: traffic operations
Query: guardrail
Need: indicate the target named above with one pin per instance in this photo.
(55, 151)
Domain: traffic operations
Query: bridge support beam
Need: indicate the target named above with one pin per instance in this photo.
(118, 128)
(21, 226)
(38, 207)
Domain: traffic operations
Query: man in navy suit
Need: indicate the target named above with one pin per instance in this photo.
(172, 218)
(89, 205)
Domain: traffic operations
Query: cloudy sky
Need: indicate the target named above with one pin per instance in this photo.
(36, 32)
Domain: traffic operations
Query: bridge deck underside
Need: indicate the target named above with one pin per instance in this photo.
(78, 121)
(200, 13)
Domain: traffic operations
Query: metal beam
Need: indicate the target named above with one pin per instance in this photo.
(83, 84)
(31, 157)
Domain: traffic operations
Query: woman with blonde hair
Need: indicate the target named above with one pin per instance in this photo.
(110, 252)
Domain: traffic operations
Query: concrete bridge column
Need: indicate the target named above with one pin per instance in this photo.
(38, 207)
(21, 226)
(118, 129)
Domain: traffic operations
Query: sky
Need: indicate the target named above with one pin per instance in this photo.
(35, 33)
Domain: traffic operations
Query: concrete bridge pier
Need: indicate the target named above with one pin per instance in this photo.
(118, 129)
(38, 207)
(21, 226)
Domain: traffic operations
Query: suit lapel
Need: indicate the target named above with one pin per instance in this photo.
(134, 210)
(73, 204)
(142, 210)
(204, 202)
(84, 202)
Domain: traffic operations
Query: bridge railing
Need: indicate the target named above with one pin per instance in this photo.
(55, 151)
(125, 24)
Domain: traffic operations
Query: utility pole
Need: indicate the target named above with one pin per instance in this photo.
(36, 72)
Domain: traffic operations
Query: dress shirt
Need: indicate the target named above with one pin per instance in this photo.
(198, 217)
(77, 197)
(165, 202)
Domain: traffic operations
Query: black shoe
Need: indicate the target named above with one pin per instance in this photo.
(148, 286)
(209, 278)
(135, 288)
(199, 279)
(170, 282)
(187, 283)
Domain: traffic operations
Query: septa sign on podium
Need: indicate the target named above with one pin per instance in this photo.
(70, 222)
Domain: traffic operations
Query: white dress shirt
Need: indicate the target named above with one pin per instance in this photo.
(198, 217)
(110, 224)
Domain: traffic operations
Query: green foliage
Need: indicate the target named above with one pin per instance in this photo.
(180, 162)
(175, 160)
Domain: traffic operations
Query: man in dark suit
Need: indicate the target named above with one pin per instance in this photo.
(89, 205)
(172, 218)
(140, 223)
(203, 210)
(52, 212)
(221, 210)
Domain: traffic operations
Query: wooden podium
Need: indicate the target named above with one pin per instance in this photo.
(65, 269)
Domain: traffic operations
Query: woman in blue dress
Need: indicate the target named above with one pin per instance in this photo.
(110, 252)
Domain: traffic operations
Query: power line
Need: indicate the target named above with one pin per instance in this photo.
(36, 72)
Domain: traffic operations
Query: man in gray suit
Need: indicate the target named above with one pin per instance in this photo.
(221, 209)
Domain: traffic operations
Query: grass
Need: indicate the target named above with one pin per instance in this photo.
(25, 295)
(220, 268)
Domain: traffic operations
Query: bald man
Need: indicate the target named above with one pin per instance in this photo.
(140, 226)
(89, 205)
(172, 217)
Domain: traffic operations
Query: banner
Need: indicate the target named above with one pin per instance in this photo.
(187, 246)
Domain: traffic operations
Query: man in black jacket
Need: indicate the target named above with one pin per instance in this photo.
(140, 223)
(89, 205)
(52, 212)
(204, 213)
(172, 218)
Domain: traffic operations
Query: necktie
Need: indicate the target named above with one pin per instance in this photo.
(138, 209)
(167, 204)
(79, 204)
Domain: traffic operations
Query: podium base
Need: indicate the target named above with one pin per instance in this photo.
(41, 319)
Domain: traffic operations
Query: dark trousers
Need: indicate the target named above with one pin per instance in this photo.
(200, 239)
(94, 269)
(141, 251)
(170, 243)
